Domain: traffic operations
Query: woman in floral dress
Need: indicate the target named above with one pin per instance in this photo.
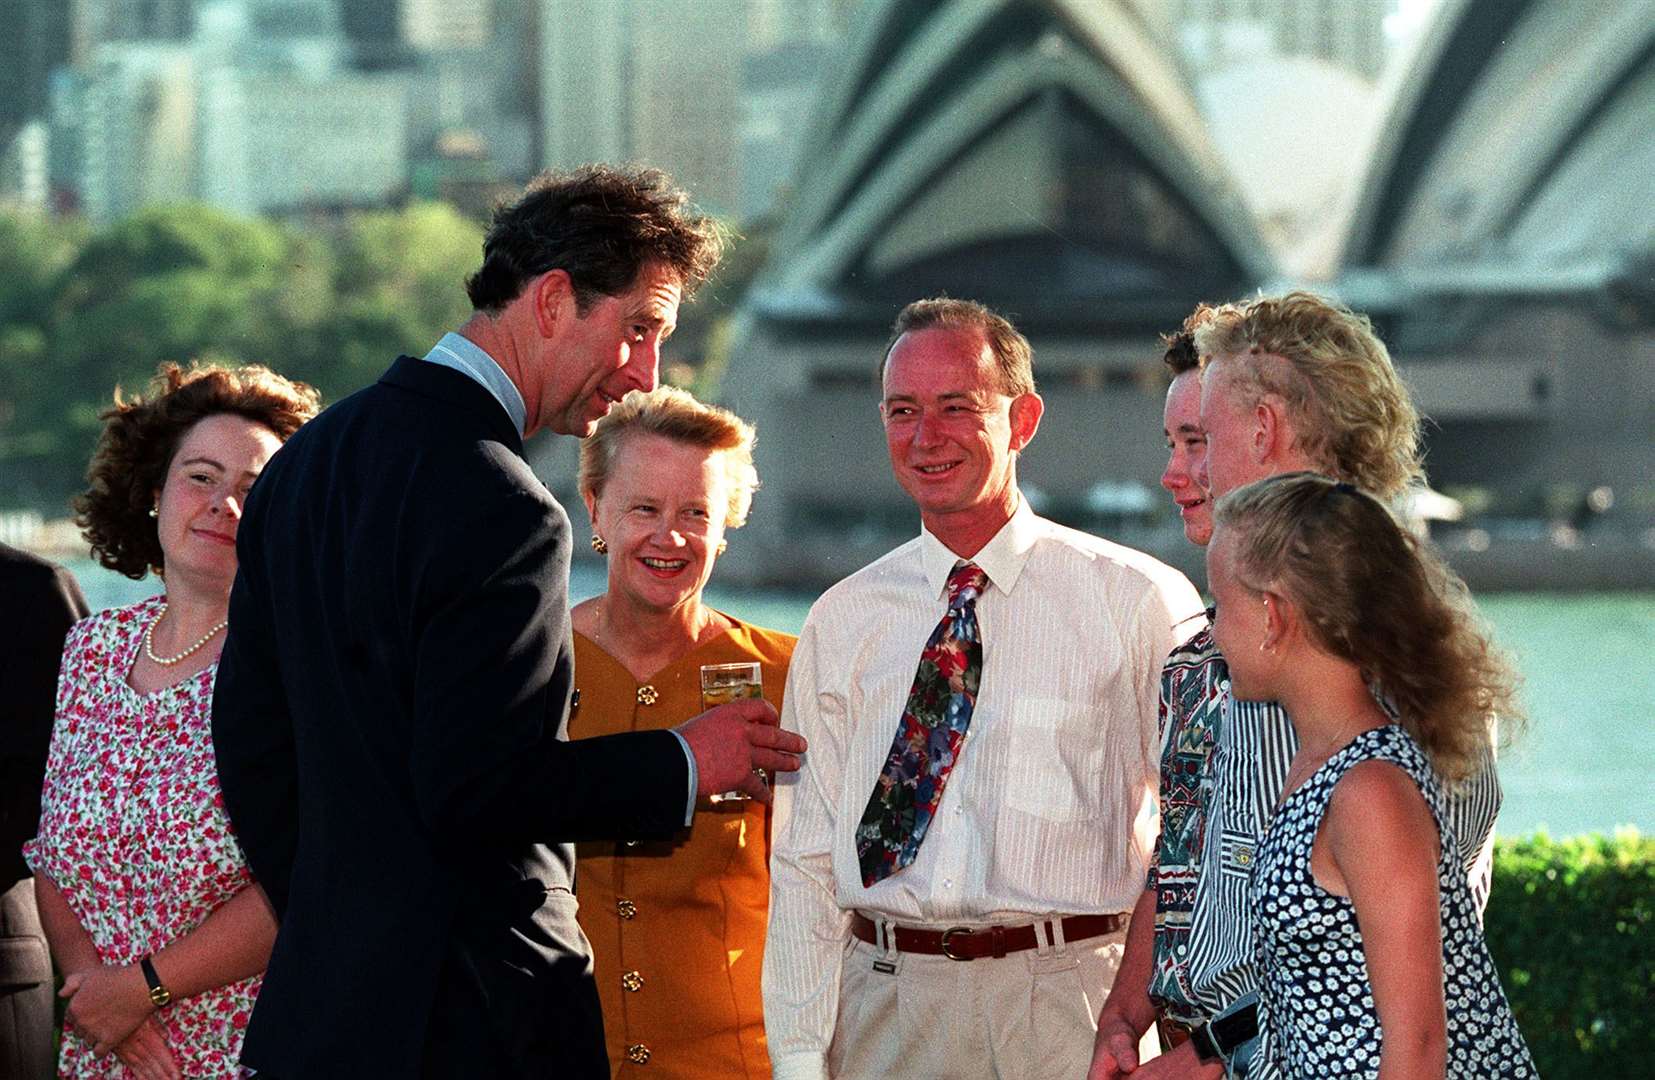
(1371, 957)
(159, 930)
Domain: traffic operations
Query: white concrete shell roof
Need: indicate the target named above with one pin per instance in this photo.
(1519, 134)
(1029, 153)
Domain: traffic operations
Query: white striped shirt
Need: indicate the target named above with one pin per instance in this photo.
(1051, 806)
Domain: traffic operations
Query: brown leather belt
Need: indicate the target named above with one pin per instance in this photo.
(966, 943)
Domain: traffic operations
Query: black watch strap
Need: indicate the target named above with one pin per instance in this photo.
(159, 995)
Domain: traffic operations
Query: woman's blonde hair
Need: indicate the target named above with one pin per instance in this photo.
(1371, 594)
(1350, 410)
(675, 414)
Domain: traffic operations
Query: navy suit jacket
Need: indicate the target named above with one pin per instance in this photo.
(389, 724)
(42, 602)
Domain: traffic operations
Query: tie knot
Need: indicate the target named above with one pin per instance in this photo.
(966, 583)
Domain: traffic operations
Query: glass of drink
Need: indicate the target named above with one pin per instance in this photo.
(722, 684)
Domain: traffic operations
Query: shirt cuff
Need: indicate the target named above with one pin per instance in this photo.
(798, 1066)
(695, 778)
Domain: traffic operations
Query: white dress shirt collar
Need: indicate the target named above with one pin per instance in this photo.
(1002, 558)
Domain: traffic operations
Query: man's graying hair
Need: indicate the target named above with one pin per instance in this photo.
(1013, 356)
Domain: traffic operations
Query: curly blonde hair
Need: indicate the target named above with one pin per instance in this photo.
(141, 435)
(675, 414)
(1371, 594)
(1351, 412)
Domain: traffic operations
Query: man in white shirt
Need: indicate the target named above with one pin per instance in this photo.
(952, 868)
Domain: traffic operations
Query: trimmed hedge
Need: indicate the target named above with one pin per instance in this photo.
(1569, 924)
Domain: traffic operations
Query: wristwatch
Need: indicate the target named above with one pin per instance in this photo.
(159, 995)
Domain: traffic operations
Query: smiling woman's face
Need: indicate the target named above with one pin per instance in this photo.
(662, 513)
(200, 501)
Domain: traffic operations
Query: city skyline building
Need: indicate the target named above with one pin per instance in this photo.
(136, 122)
(25, 167)
(135, 20)
(446, 24)
(621, 82)
(1349, 34)
(43, 32)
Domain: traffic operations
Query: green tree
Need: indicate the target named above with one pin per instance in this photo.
(84, 312)
(35, 251)
(170, 283)
(398, 285)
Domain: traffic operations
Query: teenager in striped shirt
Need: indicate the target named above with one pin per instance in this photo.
(1275, 385)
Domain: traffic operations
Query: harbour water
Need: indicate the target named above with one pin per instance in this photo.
(1582, 765)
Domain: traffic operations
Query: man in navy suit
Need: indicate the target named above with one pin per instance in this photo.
(391, 701)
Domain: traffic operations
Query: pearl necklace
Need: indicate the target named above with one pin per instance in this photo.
(169, 661)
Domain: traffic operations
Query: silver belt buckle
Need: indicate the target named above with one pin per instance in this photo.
(947, 949)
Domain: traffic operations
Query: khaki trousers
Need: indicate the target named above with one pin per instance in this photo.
(1024, 1016)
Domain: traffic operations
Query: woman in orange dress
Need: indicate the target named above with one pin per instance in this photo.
(677, 928)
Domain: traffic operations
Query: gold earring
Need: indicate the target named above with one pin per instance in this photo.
(598, 545)
(722, 544)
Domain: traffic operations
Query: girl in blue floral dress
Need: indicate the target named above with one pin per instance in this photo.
(1371, 957)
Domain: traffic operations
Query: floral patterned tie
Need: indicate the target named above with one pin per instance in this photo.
(928, 738)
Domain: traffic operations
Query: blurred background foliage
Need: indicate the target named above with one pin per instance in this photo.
(1570, 927)
(331, 302)
(84, 311)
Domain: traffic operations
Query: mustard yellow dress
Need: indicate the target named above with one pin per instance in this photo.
(677, 927)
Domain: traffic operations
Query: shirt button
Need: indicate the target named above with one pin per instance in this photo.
(648, 695)
(627, 909)
(632, 982)
(948, 883)
(638, 1054)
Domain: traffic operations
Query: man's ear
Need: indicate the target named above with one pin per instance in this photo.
(552, 296)
(1271, 431)
(1026, 411)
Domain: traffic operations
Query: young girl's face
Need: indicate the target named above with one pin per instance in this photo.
(1240, 622)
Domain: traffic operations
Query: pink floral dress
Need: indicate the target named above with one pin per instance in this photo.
(134, 834)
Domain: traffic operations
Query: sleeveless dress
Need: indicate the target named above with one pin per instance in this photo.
(1317, 1007)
